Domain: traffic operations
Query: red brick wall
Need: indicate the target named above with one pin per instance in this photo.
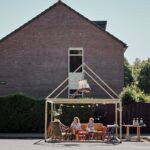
(34, 60)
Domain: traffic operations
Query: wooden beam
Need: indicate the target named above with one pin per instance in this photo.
(82, 101)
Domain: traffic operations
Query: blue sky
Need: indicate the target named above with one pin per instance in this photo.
(129, 20)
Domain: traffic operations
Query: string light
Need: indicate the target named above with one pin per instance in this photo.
(96, 105)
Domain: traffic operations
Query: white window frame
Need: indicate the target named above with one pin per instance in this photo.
(82, 54)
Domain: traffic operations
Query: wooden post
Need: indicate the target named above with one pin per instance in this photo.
(52, 111)
(46, 103)
(116, 118)
(120, 109)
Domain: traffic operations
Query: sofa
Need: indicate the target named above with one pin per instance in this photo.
(99, 134)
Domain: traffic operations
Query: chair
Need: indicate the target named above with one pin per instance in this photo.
(49, 130)
(68, 134)
(55, 131)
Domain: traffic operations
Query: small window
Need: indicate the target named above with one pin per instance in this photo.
(3, 82)
(76, 52)
(75, 59)
(75, 62)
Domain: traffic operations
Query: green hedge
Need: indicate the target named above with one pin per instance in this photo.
(19, 113)
(81, 111)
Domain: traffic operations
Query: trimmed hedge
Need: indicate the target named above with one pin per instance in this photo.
(81, 111)
(20, 113)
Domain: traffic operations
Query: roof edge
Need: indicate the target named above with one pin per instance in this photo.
(124, 44)
(30, 21)
(54, 5)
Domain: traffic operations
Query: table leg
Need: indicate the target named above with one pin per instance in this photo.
(138, 134)
(77, 137)
(127, 133)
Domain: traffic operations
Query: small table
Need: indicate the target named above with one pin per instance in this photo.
(81, 135)
(138, 130)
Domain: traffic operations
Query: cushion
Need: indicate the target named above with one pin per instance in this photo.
(98, 126)
(84, 126)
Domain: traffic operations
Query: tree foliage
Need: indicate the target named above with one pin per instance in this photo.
(137, 81)
(131, 94)
(128, 78)
(144, 77)
(137, 65)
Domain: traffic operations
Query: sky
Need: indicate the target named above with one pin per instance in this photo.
(128, 20)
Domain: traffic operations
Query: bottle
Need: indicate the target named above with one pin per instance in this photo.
(133, 122)
(137, 121)
(141, 121)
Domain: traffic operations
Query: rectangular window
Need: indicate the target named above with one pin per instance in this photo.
(75, 59)
(76, 52)
(75, 62)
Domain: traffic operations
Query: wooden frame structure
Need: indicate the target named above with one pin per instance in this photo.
(114, 99)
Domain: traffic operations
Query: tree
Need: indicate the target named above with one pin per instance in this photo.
(128, 78)
(132, 94)
(136, 67)
(144, 77)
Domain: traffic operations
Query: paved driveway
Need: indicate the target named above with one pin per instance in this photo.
(34, 144)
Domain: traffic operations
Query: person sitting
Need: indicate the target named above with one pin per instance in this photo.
(90, 127)
(63, 127)
(76, 127)
(56, 128)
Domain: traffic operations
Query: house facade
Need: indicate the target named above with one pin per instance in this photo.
(39, 55)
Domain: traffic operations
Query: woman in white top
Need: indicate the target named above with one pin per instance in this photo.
(76, 126)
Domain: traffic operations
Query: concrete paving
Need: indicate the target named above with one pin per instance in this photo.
(41, 135)
(34, 144)
(21, 135)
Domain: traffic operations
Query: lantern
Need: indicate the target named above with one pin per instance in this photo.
(60, 110)
(55, 113)
(84, 86)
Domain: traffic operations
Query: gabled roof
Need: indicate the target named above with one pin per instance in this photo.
(95, 23)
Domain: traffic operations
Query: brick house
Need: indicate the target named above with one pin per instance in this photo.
(39, 55)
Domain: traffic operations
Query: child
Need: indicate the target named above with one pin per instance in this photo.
(90, 126)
